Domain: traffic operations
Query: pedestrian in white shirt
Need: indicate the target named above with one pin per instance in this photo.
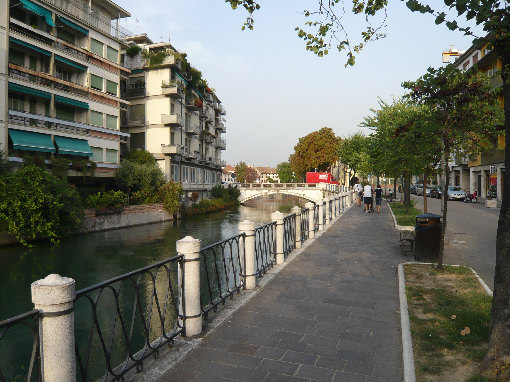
(367, 197)
(358, 190)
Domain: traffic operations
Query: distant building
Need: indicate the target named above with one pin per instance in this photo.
(267, 175)
(178, 121)
(228, 175)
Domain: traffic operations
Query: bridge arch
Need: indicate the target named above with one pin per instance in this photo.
(313, 192)
(274, 192)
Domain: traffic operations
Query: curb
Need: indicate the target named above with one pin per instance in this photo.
(407, 341)
(399, 227)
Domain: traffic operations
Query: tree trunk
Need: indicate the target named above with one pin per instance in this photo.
(425, 193)
(406, 191)
(395, 187)
(498, 356)
(446, 171)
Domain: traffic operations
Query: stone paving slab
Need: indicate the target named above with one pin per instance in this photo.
(330, 315)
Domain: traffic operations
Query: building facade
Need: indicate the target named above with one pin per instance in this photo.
(170, 117)
(267, 175)
(482, 172)
(59, 81)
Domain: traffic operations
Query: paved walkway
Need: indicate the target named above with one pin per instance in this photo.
(330, 315)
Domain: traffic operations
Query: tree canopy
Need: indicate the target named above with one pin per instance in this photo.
(353, 152)
(285, 173)
(245, 173)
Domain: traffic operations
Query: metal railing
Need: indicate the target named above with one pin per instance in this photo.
(265, 247)
(221, 270)
(122, 321)
(305, 215)
(19, 360)
(289, 234)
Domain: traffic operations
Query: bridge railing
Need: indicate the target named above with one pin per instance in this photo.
(121, 322)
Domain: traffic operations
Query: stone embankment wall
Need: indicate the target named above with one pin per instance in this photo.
(102, 220)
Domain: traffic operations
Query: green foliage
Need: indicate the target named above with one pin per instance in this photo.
(85, 166)
(5, 165)
(132, 176)
(228, 194)
(154, 58)
(37, 205)
(285, 173)
(60, 167)
(133, 50)
(354, 153)
(245, 173)
(317, 150)
(144, 196)
(405, 216)
(170, 194)
(106, 199)
(141, 157)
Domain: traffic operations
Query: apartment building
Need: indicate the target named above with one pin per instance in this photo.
(173, 117)
(266, 175)
(484, 171)
(59, 81)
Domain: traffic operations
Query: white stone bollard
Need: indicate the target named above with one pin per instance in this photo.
(310, 206)
(321, 214)
(328, 200)
(337, 206)
(278, 218)
(190, 249)
(297, 211)
(249, 261)
(54, 297)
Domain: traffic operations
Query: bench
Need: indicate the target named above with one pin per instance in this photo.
(406, 242)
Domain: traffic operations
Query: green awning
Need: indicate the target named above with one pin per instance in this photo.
(29, 141)
(71, 63)
(178, 75)
(30, 46)
(24, 89)
(72, 102)
(38, 10)
(73, 146)
(73, 25)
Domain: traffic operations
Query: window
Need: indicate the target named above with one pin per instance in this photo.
(475, 58)
(96, 82)
(465, 65)
(137, 113)
(96, 118)
(16, 57)
(174, 172)
(96, 47)
(172, 138)
(112, 54)
(65, 35)
(111, 156)
(65, 112)
(111, 122)
(32, 63)
(486, 51)
(193, 172)
(97, 154)
(16, 102)
(63, 74)
(111, 87)
(172, 108)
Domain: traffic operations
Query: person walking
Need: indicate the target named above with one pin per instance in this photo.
(367, 196)
(358, 189)
(378, 197)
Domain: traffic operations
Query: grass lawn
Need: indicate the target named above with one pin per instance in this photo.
(402, 217)
(449, 313)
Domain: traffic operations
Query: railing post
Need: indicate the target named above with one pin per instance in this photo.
(297, 211)
(310, 206)
(278, 218)
(54, 297)
(321, 214)
(328, 200)
(192, 314)
(248, 228)
(337, 206)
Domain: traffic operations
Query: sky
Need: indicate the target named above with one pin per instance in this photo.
(274, 90)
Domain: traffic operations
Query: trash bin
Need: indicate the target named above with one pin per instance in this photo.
(427, 237)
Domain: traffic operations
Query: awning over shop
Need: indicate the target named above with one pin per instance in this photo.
(29, 46)
(38, 10)
(24, 89)
(73, 146)
(71, 102)
(73, 25)
(71, 63)
(29, 141)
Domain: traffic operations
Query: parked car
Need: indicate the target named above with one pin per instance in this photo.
(456, 193)
(435, 192)
(413, 189)
(428, 190)
(419, 190)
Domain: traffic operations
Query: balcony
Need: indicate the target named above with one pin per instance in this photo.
(223, 163)
(221, 143)
(187, 152)
(171, 149)
(172, 120)
(192, 130)
(132, 93)
(50, 123)
(171, 89)
(136, 122)
(193, 103)
(221, 109)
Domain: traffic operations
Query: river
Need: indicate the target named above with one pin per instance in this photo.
(96, 257)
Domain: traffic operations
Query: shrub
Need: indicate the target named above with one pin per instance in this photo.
(145, 197)
(170, 195)
(133, 176)
(106, 199)
(35, 204)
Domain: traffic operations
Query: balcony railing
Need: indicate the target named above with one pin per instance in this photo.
(171, 149)
(171, 120)
(91, 17)
(221, 143)
(132, 93)
(43, 122)
(171, 88)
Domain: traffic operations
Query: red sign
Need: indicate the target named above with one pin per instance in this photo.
(493, 180)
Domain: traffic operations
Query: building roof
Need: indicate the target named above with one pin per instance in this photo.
(140, 39)
(266, 170)
(229, 168)
(112, 8)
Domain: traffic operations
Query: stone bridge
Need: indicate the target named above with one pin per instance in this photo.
(314, 192)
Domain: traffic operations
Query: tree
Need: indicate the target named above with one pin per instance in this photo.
(143, 177)
(245, 173)
(285, 173)
(353, 152)
(315, 151)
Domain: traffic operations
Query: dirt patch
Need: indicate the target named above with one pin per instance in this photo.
(449, 313)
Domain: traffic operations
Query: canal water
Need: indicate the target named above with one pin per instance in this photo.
(96, 257)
